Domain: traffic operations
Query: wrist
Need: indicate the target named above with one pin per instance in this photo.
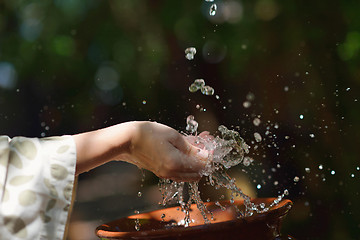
(104, 145)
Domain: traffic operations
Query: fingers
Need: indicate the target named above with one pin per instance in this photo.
(178, 141)
(189, 149)
(186, 177)
(169, 154)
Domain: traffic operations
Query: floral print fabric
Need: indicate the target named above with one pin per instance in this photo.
(36, 183)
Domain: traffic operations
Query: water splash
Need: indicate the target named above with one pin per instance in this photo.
(226, 151)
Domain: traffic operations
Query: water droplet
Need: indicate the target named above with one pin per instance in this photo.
(207, 90)
(198, 84)
(301, 116)
(257, 137)
(191, 124)
(312, 135)
(137, 224)
(321, 167)
(247, 161)
(256, 122)
(139, 194)
(193, 87)
(213, 9)
(258, 186)
(190, 53)
(332, 172)
(352, 175)
(144, 102)
(307, 170)
(246, 104)
(296, 179)
(286, 192)
(286, 88)
(347, 89)
(209, 0)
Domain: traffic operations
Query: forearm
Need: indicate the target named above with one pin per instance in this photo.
(101, 146)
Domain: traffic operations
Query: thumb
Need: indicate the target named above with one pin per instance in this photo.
(189, 149)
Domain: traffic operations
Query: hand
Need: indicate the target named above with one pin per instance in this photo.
(165, 152)
(148, 145)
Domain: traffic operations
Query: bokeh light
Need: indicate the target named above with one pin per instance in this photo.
(8, 75)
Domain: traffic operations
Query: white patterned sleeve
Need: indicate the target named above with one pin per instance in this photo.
(36, 183)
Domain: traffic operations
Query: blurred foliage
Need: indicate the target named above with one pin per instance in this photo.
(68, 66)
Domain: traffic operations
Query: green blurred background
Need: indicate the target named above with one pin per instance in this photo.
(68, 66)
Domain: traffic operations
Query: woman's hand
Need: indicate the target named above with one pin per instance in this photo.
(148, 145)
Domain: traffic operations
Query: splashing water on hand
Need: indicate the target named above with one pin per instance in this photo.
(225, 152)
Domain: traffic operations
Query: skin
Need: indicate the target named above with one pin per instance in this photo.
(149, 145)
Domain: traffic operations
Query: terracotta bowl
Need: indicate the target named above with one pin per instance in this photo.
(225, 225)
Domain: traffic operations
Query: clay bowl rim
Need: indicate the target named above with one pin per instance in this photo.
(275, 212)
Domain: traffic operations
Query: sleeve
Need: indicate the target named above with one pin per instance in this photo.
(36, 183)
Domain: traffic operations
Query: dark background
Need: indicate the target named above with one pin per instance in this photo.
(68, 66)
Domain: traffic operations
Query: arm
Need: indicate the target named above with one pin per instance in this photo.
(148, 145)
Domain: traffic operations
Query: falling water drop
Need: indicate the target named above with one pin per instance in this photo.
(190, 53)
(207, 90)
(257, 137)
(137, 224)
(213, 9)
(193, 88)
(256, 122)
(191, 124)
